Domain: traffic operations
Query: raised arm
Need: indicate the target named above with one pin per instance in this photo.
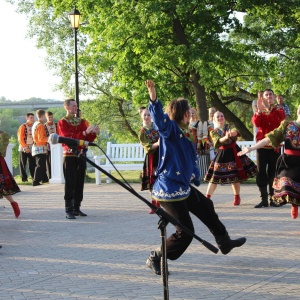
(260, 144)
(151, 89)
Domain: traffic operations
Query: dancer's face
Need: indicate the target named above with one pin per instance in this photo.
(146, 117)
(219, 118)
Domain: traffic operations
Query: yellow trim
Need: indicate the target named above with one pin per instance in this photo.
(171, 200)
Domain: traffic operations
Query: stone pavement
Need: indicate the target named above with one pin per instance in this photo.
(102, 256)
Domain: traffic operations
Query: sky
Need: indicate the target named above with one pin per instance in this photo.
(23, 73)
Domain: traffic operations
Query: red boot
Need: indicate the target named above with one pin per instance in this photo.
(156, 203)
(16, 208)
(237, 200)
(294, 211)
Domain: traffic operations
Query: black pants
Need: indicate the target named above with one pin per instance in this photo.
(203, 209)
(23, 159)
(40, 173)
(266, 164)
(74, 171)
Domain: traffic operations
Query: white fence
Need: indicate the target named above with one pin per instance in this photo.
(133, 155)
(124, 157)
(8, 157)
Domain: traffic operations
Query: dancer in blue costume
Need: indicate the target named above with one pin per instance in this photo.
(176, 171)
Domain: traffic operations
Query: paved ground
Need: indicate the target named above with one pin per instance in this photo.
(102, 256)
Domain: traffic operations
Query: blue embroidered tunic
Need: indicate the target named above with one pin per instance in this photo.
(177, 158)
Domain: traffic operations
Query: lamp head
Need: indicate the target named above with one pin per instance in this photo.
(74, 16)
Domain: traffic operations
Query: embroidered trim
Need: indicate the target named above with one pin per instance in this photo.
(171, 196)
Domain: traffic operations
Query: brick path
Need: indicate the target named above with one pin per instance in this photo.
(102, 256)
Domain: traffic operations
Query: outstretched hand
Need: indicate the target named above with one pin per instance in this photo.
(244, 151)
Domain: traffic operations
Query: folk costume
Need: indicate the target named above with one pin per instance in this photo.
(176, 166)
(74, 167)
(39, 152)
(227, 167)
(212, 150)
(266, 157)
(287, 180)
(50, 128)
(148, 136)
(8, 185)
(202, 148)
(25, 142)
(285, 108)
(193, 131)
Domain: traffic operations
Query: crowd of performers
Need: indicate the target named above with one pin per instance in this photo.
(170, 174)
(276, 173)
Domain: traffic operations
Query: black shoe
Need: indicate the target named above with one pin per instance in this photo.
(230, 244)
(70, 215)
(153, 262)
(24, 180)
(261, 204)
(36, 184)
(45, 181)
(79, 213)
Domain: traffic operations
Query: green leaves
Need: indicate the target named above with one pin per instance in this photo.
(190, 48)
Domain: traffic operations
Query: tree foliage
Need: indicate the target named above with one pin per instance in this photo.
(196, 49)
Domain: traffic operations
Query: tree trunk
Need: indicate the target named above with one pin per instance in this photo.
(126, 123)
(200, 97)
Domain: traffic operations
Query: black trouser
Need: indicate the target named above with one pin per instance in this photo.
(40, 173)
(23, 159)
(266, 164)
(203, 209)
(74, 171)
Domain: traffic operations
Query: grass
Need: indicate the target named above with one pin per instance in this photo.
(130, 176)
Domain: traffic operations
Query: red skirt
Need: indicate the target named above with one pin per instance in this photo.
(8, 185)
(148, 174)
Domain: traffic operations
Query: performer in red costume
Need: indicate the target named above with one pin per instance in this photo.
(73, 166)
(266, 119)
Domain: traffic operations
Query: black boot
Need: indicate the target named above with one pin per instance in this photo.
(264, 197)
(78, 212)
(226, 244)
(153, 262)
(69, 213)
(263, 203)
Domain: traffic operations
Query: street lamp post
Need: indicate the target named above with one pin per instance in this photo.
(74, 16)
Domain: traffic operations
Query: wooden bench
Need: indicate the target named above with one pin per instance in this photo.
(125, 157)
(130, 157)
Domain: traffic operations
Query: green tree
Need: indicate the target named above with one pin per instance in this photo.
(15, 152)
(272, 28)
(190, 48)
